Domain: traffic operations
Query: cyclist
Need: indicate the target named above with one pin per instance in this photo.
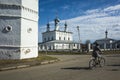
(96, 52)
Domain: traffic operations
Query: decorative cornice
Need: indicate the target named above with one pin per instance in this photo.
(15, 6)
(8, 15)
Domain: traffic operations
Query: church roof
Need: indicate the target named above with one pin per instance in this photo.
(105, 40)
(60, 41)
(57, 31)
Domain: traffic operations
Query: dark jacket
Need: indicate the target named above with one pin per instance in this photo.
(96, 51)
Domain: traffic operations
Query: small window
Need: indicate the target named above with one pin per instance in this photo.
(68, 38)
(59, 38)
(64, 38)
(52, 38)
(8, 28)
(29, 30)
(74, 45)
(44, 39)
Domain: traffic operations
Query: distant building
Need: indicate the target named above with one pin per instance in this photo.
(56, 39)
(108, 43)
(18, 29)
(116, 45)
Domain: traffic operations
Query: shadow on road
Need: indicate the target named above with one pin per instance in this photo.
(77, 68)
(114, 65)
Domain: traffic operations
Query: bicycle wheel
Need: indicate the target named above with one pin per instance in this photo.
(102, 62)
(92, 64)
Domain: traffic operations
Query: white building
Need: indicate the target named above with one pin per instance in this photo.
(18, 29)
(56, 39)
(106, 43)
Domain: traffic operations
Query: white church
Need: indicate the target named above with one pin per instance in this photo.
(57, 39)
(18, 29)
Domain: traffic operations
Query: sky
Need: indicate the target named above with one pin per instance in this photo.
(93, 16)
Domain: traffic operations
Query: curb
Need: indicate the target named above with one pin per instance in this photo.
(22, 66)
(7, 68)
(25, 66)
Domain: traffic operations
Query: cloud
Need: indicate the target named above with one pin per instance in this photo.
(111, 8)
(65, 7)
(94, 24)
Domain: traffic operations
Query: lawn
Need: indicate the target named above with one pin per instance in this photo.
(31, 61)
(76, 52)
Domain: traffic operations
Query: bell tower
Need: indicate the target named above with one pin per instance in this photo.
(56, 23)
(106, 34)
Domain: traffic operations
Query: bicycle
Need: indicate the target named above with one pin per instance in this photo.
(93, 63)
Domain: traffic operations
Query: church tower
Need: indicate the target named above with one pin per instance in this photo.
(65, 29)
(48, 27)
(56, 23)
(18, 29)
(106, 34)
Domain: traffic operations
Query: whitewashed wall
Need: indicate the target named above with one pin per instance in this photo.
(49, 35)
(63, 35)
(22, 41)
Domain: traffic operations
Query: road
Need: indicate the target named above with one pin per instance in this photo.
(71, 67)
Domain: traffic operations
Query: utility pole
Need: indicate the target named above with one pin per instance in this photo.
(79, 36)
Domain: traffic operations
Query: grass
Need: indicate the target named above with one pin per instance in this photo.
(32, 61)
(76, 52)
(60, 53)
(112, 52)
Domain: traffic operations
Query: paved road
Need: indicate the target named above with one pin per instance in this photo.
(72, 67)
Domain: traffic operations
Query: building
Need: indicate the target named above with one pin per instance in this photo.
(18, 29)
(106, 43)
(116, 45)
(56, 39)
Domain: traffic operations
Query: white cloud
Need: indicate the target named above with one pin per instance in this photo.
(66, 7)
(93, 11)
(111, 8)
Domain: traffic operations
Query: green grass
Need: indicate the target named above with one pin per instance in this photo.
(60, 53)
(112, 52)
(76, 53)
(38, 60)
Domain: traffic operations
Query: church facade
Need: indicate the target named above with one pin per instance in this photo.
(56, 39)
(108, 43)
(18, 29)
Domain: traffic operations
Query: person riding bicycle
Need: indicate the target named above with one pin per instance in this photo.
(96, 51)
(98, 59)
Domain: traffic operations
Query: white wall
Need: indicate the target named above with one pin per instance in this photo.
(29, 29)
(22, 41)
(32, 4)
(48, 35)
(63, 34)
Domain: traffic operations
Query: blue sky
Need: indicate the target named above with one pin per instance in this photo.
(93, 17)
